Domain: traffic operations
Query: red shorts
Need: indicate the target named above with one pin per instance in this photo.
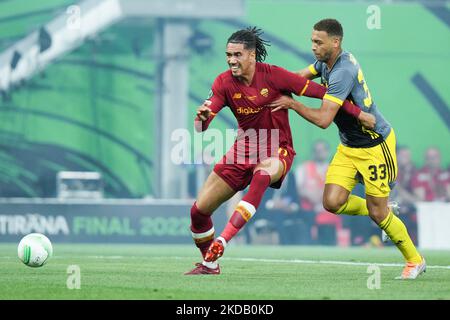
(238, 176)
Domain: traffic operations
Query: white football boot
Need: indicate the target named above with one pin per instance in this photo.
(412, 270)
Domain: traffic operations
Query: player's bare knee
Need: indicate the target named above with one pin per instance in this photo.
(377, 216)
(274, 174)
(378, 209)
(207, 202)
(377, 213)
(331, 207)
(271, 166)
(201, 206)
(334, 197)
(332, 204)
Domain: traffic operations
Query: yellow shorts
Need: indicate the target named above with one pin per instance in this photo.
(375, 166)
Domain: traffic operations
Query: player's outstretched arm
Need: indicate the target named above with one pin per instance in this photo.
(211, 106)
(204, 116)
(306, 73)
(300, 85)
(321, 117)
(315, 90)
(203, 112)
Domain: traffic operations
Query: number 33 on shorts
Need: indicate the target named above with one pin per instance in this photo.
(380, 172)
(375, 174)
(377, 165)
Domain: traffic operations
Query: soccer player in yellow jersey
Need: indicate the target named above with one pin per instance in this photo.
(363, 155)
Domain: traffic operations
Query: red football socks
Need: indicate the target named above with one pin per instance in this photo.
(202, 229)
(247, 207)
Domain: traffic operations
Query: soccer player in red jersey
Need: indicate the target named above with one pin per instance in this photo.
(263, 151)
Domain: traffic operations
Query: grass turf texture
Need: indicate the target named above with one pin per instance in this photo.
(156, 272)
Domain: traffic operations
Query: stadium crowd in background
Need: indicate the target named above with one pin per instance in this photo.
(431, 182)
(310, 178)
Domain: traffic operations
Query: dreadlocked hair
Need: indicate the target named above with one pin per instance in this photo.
(251, 38)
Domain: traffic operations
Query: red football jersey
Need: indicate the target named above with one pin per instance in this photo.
(259, 129)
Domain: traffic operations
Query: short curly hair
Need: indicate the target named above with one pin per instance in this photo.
(330, 26)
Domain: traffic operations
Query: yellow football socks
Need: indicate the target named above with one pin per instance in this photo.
(355, 206)
(396, 230)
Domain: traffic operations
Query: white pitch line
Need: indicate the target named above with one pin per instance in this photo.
(295, 261)
(110, 257)
(329, 262)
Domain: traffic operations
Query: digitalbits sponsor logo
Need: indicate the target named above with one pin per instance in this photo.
(248, 110)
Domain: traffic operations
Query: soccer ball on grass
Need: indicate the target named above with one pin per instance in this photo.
(35, 250)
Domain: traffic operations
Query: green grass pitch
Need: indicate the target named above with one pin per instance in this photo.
(248, 273)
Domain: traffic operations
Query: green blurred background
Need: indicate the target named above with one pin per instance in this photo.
(94, 110)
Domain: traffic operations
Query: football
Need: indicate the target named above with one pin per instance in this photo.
(35, 250)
